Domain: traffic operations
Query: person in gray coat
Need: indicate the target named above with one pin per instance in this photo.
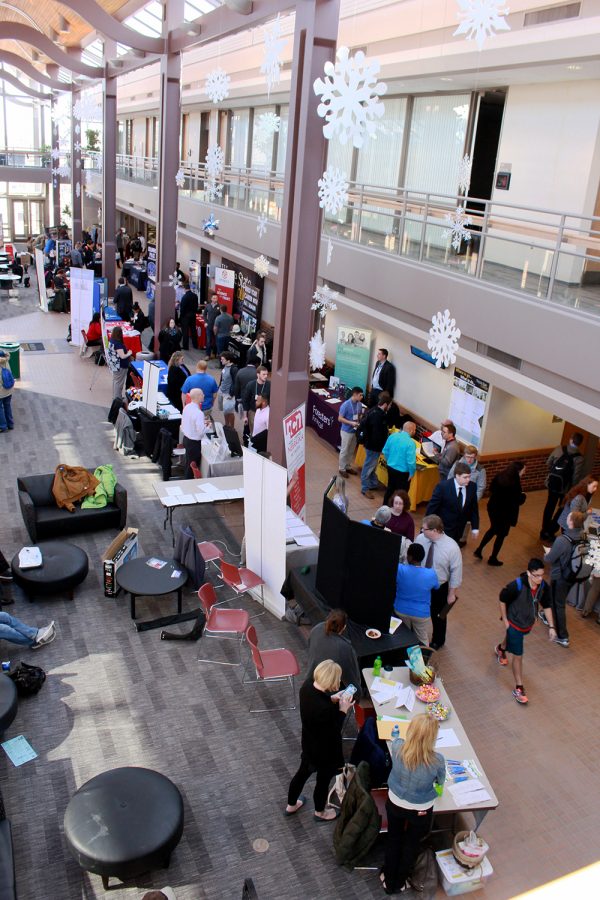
(327, 641)
(559, 557)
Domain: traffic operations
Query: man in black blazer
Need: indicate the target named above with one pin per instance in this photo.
(384, 377)
(124, 300)
(455, 502)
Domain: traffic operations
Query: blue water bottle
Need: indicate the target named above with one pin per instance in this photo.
(395, 732)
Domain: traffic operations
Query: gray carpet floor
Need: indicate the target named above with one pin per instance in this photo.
(115, 697)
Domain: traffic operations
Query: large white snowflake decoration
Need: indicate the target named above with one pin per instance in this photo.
(265, 127)
(215, 161)
(78, 190)
(77, 147)
(64, 171)
(261, 266)
(77, 129)
(261, 226)
(350, 97)
(55, 153)
(329, 250)
(333, 190)
(180, 178)
(481, 18)
(593, 557)
(77, 163)
(99, 213)
(213, 189)
(458, 223)
(175, 279)
(217, 85)
(316, 351)
(324, 300)
(274, 44)
(464, 174)
(88, 108)
(443, 339)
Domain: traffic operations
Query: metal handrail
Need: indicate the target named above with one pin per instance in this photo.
(18, 158)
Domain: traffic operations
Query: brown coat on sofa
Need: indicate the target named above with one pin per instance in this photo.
(72, 483)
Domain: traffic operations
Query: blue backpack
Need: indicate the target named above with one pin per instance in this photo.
(8, 380)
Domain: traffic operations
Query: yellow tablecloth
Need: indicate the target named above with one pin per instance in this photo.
(422, 483)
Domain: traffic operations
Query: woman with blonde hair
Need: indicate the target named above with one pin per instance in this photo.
(322, 710)
(416, 771)
(176, 375)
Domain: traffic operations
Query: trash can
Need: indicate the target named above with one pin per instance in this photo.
(13, 350)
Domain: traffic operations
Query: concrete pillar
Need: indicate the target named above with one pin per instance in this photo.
(314, 44)
(76, 172)
(55, 216)
(168, 194)
(109, 178)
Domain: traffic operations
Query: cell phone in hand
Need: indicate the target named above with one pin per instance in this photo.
(349, 692)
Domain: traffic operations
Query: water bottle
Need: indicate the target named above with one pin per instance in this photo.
(395, 732)
(377, 666)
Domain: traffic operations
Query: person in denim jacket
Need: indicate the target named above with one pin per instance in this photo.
(416, 769)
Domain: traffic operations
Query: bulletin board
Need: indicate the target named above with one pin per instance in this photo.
(468, 406)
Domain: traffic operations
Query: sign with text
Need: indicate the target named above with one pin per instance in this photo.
(295, 458)
(224, 286)
(468, 402)
(352, 353)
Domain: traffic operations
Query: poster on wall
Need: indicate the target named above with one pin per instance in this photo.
(247, 296)
(194, 270)
(352, 353)
(468, 402)
(295, 458)
(224, 286)
(151, 271)
(82, 302)
(39, 271)
(63, 252)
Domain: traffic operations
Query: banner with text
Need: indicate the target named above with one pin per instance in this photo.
(224, 286)
(295, 458)
(352, 353)
(468, 403)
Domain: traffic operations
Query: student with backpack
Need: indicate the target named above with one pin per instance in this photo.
(565, 466)
(518, 602)
(7, 383)
(567, 558)
(579, 498)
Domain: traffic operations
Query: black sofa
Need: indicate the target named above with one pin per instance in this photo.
(44, 519)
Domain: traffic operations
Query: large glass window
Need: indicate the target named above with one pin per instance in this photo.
(284, 113)
(238, 137)
(262, 144)
(379, 157)
(436, 143)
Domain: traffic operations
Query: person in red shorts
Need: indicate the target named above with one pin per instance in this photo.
(518, 601)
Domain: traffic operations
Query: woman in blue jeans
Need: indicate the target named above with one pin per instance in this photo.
(416, 770)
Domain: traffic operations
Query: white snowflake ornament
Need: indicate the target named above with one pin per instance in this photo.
(464, 174)
(78, 190)
(333, 191)
(99, 212)
(324, 300)
(261, 226)
(443, 339)
(77, 163)
(350, 97)
(174, 279)
(458, 223)
(329, 250)
(217, 85)
(316, 351)
(77, 129)
(261, 266)
(55, 153)
(593, 557)
(274, 44)
(480, 19)
(64, 171)
(215, 161)
(77, 147)
(266, 125)
(88, 108)
(180, 178)
(213, 189)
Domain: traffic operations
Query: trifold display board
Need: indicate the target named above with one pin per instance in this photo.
(39, 269)
(150, 387)
(82, 302)
(265, 488)
(357, 567)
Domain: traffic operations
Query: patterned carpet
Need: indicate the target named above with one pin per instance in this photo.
(115, 697)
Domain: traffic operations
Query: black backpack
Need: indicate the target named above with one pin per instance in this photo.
(560, 476)
(28, 679)
(579, 570)
(361, 430)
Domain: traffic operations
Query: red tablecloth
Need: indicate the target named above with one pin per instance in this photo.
(201, 329)
(131, 338)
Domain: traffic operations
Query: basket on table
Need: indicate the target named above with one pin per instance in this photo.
(469, 860)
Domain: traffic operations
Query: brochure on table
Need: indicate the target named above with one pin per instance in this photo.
(265, 489)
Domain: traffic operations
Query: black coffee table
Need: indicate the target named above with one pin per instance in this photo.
(142, 580)
(64, 566)
(124, 822)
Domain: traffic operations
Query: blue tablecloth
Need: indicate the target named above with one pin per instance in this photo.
(111, 315)
(138, 367)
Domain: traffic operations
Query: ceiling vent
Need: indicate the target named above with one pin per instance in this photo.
(500, 356)
(554, 14)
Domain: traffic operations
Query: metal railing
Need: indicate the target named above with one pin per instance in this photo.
(547, 254)
(23, 159)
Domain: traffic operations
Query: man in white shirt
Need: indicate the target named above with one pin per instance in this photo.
(443, 555)
(193, 428)
(260, 428)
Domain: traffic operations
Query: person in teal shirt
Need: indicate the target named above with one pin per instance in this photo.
(400, 452)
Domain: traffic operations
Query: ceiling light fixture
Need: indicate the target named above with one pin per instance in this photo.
(573, 68)
(64, 26)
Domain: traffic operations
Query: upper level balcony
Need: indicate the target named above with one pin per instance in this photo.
(30, 166)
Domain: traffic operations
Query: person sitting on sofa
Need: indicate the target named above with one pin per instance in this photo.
(17, 632)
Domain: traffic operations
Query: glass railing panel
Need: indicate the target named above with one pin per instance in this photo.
(516, 265)
(438, 249)
(577, 282)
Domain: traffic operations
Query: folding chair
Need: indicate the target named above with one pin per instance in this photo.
(84, 344)
(270, 666)
(229, 624)
(242, 581)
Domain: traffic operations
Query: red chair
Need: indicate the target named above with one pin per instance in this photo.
(229, 624)
(210, 552)
(270, 666)
(241, 580)
(195, 470)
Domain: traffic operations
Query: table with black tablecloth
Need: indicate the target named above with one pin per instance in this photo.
(239, 348)
(138, 278)
(322, 415)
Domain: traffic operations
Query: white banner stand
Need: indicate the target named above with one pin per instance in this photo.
(150, 388)
(39, 270)
(82, 302)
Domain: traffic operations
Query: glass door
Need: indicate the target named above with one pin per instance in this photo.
(19, 219)
(36, 216)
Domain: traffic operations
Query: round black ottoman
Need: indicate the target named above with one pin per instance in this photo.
(124, 822)
(8, 702)
(63, 567)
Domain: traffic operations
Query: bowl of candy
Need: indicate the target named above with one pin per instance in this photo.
(438, 711)
(427, 693)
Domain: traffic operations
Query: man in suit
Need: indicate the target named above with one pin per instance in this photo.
(187, 318)
(124, 300)
(384, 377)
(455, 502)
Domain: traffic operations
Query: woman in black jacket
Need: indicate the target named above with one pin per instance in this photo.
(169, 340)
(322, 712)
(506, 496)
(176, 376)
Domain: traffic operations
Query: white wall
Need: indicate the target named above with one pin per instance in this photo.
(513, 424)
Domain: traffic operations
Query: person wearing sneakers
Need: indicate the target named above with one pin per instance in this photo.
(517, 610)
(559, 557)
(348, 417)
(18, 632)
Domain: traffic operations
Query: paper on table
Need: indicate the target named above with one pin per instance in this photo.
(467, 792)
(209, 488)
(203, 498)
(171, 501)
(447, 738)
(308, 540)
(406, 697)
(186, 499)
(395, 623)
(173, 489)
(385, 725)
(332, 400)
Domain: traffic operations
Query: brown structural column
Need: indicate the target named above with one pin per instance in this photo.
(314, 44)
(75, 171)
(109, 178)
(55, 218)
(168, 194)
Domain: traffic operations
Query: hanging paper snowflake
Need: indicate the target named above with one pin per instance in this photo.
(77, 147)
(443, 339)
(265, 127)
(77, 129)
(458, 223)
(481, 18)
(316, 354)
(64, 171)
(180, 178)
(55, 184)
(55, 153)
(88, 108)
(350, 97)
(217, 85)
(464, 174)
(333, 191)
(324, 299)
(215, 161)
(593, 557)
(99, 212)
(210, 225)
(261, 266)
(213, 189)
(329, 250)
(261, 226)
(274, 44)
(78, 190)
(175, 279)
(77, 163)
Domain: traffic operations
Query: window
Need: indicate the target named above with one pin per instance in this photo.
(436, 143)
(262, 147)
(238, 137)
